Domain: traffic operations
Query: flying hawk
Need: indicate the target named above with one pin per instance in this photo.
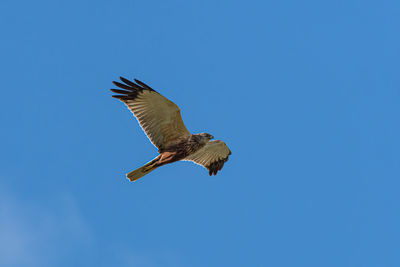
(161, 121)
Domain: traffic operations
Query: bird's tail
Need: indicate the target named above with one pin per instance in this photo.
(145, 169)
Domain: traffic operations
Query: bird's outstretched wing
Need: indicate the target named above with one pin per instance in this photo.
(212, 156)
(159, 118)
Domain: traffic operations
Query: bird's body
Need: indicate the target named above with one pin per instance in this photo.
(187, 146)
(161, 121)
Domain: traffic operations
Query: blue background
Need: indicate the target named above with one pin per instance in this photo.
(305, 94)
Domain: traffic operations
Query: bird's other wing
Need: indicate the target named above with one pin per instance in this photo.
(212, 156)
(159, 118)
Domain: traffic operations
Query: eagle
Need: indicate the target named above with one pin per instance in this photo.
(162, 123)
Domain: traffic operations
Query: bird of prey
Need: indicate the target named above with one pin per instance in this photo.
(161, 121)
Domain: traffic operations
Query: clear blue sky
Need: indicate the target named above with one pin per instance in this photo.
(305, 93)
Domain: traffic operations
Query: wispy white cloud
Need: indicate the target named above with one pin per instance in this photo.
(15, 238)
(57, 233)
(33, 235)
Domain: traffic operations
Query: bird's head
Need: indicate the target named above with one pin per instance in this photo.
(206, 135)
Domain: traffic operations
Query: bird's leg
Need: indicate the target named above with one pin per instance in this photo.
(167, 157)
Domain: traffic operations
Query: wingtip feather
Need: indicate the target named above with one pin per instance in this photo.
(123, 86)
(143, 85)
(128, 82)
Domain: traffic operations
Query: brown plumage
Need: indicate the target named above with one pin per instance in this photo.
(161, 121)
